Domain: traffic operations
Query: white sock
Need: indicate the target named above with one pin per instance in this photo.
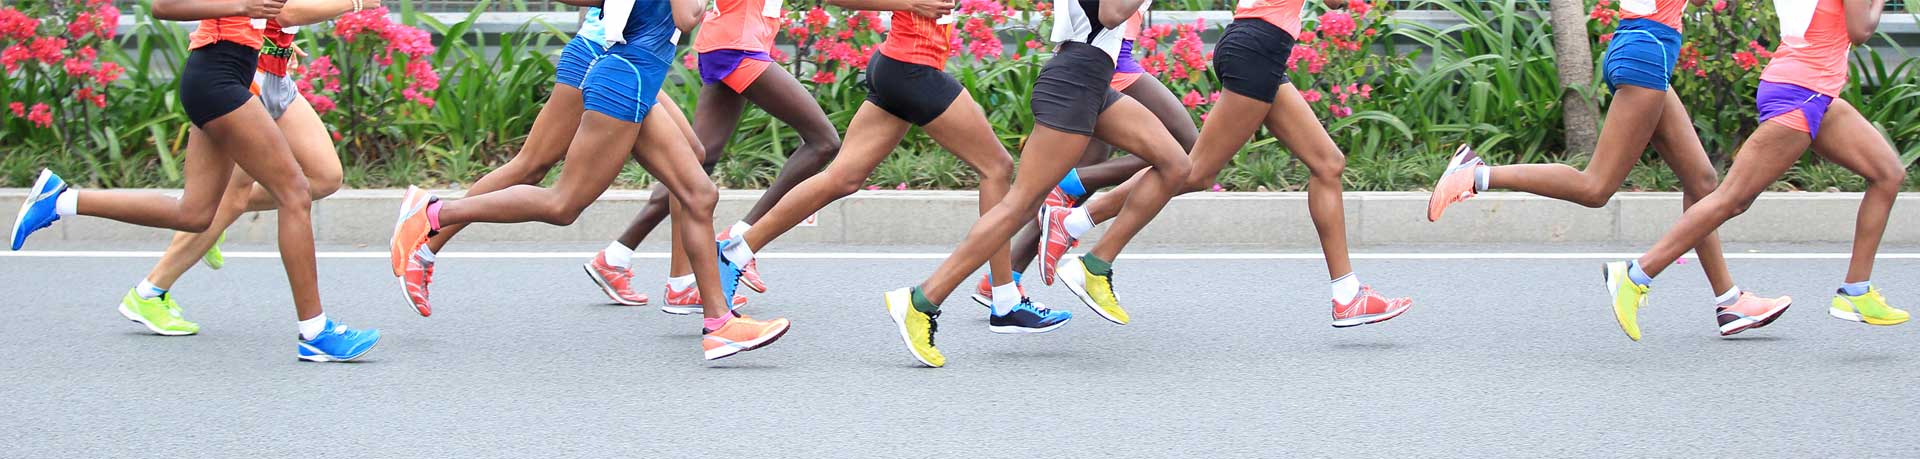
(311, 328)
(739, 229)
(67, 204)
(1078, 222)
(1727, 299)
(1346, 287)
(1005, 297)
(738, 252)
(425, 254)
(680, 283)
(1481, 176)
(618, 256)
(148, 291)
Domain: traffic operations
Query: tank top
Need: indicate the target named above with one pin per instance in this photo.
(1284, 14)
(1820, 65)
(746, 25)
(919, 40)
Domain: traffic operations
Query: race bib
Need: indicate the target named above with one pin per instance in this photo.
(1247, 3)
(771, 9)
(950, 18)
(1642, 7)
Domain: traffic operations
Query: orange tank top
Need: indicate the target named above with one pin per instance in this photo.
(746, 25)
(920, 40)
(1284, 14)
(237, 29)
(1821, 64)
(1664, 11)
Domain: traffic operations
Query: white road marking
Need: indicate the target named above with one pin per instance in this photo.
(939, 256)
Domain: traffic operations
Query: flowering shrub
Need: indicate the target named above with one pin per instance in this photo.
(49, 52)
(363, 64)
(1725, 46)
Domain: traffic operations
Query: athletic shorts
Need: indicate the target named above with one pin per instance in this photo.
(737, 69)
(575, 60)
(624, 85)
(1642, 53)
(216, 80)
(1793, 106)
(1126, 69)
(277, 92)
(1073, 89)
(909, 91)
(1251, 58)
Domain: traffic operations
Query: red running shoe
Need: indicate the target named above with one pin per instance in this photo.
(1456, 182)
(1059, 198)
(687, 301)
(1368, 307)
(414, 281)
(1056, 241)
(615, 281)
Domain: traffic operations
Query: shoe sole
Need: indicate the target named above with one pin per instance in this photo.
(900, 323)
(408, 296)
(755, 344)
(606, 288)
(1613, 292)
(681, 310)
(981, 300)
(1856, 317)
(1081, 292)
(1434, 200)
(1047, 270)
(1750, 323)
(17, 240)
(1012, 330)
(1372, 319)
(128, 313)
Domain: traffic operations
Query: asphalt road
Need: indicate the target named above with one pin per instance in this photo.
(1234, 358)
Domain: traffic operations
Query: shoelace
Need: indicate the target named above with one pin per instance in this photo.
(1028, 303)
(933, 326)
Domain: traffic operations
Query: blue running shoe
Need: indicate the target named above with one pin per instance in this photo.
(729, 274)
(1028, 317)
(38, 211)
(337, 343)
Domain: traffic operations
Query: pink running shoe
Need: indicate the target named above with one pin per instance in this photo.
(1750, 312)
(1456, 182)
(1368, 307)
(615, 281)
(418, 274)
(687, 301)
(1056, 241)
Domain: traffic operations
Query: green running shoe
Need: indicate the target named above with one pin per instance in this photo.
(160, 315)
(213, 257)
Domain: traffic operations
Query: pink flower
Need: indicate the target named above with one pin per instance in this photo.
(351, 25)
(1337, 24)
(78, 67)
(824, 77)
(1311, 95)
(41, 115)
(48, 50)
(1217, 188)
(1359, 7)
(13, 56)
(1606, 37)
(321, 104)
(1719, 5)
(1034, 44)
(692, 61)
(18, 26)
(108, 21)
(1340, 111)
(902, 187)
(1366, 91)
(873, 187)
(1215, 97)
(1191, 100)
(19, 109)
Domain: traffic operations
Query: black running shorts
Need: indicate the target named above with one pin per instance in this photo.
(909, 91)
(1074, 88)
(1251, 58)
(216, 79)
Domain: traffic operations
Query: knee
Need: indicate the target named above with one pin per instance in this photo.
(1699, 184)
(1328, 169)
(526, 171)
(195, 221)
(699, 200)
(821, 151)
(844, 184)
(297, 193)
(997, 170)
(322, 185)
(1889, 178)
(1180, 171)
(1739, 206)
(1596, 195)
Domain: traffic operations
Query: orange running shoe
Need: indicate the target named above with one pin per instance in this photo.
(1056, 241)
(984, 292)
(741, 334)
(419, 274)
(1368, 307)
(1456, 182)
(1059, 198)
(615, 281)
(687, 301)
(1749, 312)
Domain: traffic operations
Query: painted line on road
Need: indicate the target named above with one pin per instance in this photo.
(938, 256)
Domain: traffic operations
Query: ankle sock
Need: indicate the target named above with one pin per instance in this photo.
(1856, 288)
(147, 291)
(922, 304)
(618, 255)
(1096, 265)
(67, 204)
(739, 229)
(1481, 175)
(1729, 298)
(1078, 222)
(1005, 297)
(1637, 275)
(425, 254)
(714, 323)
(680, 283)
(311, 328)
(1071, 183)
(1345, 288)
(736, 250)
(433, 215)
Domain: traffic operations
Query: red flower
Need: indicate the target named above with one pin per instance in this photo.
(798, 33)
(1758, 50)
(19, 109)
(1310, 95)
(824, 77)
(1745, 60)
(1340, 111)
(349, 26)
(41, 115)
(1606, 37)
(1370, 32)
(13, 56)
(1307, 36)
(78, 67)
(108, 23)
(16, 25)
(1719, 5)
(48, 50)
(1191, 100)
(692, 61)
(1034, 44)
(1336, 24)
(1359, 7)
(321, 104)
(1602, 13)
(818, 18)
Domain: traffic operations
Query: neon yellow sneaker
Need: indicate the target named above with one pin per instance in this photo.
(1093, 289)
(916, 328)
(1627, 298)
(213, 257)
(160, 315)
(1871, 309)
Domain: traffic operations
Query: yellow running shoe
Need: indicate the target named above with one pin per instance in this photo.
(1093, 289)
(916, 328)
(1871, 309)
(1627, 298)
(213, 257)
(159, 314)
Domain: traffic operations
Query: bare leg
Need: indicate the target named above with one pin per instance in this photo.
(694, 197)
(208, 167)
(1847, 139)
(963, 130)
(1631, 121)
(1680, 147)
(870, 138)
(265, 155)
(553, 130)
(1120, 126)
(1763, 158)
(1294, 123)
(782, 96)
(1041, 167)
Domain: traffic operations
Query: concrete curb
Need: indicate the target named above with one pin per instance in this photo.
(1256, 219)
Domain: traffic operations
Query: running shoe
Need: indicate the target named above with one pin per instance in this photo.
(683, 302)
(1367, 308)
(38, 211)
(159, 314)
(414, 282)
(615, 281)
(1628, 297)
(1456, 182)
(1059, 198)
(916, 328)
(1093, 289)
(983, 293)
(213, 257)
(1871, 309)
(1028, 317)
(1056, 241)
(410, 229)
(337, 343)
(1750, 311)
(741, 334)
(749, 274)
